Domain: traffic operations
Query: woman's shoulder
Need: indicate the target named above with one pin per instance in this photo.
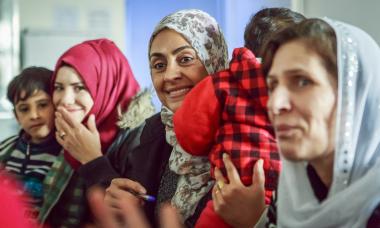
(139, 109)
(150, 130)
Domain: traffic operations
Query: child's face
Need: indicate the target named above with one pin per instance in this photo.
(36, 115)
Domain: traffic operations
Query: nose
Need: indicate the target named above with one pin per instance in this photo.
(34, 113)
(279, 101)
(66, 97)
(172, 72)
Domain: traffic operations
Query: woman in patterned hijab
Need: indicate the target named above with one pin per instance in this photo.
(202, 46)
(185, 47)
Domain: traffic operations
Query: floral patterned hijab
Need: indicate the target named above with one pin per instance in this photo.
(355, 190)
(204, 35)
(202, 32)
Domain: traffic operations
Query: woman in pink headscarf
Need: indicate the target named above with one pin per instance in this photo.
(92, 81)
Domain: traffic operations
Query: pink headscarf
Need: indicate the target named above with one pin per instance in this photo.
(110, 81)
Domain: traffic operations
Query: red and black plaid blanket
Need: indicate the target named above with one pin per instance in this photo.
(226, 113)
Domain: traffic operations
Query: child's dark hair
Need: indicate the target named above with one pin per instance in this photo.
(265, 23)
(29, 81)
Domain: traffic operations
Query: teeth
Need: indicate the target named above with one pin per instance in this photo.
(178, 92)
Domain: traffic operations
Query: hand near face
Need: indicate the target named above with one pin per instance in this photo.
(238, 205)
(82, 142)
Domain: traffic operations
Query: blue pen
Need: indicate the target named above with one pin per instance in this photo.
(145, 197)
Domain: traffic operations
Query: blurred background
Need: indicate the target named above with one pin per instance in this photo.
(37, 32)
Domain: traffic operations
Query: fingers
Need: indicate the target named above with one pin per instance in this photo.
(232, 173)
(100, 210)
(115, 192)
(128, 184)
(58, 138)
(134, 216)
(217, 198)
(117, 198)
(65, 115)
(218, 175)
(91, 124)
(169, 216)
(123, 190)
(258, 177)
(61, 124)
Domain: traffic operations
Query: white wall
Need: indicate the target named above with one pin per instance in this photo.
(94, 16)
(101, 18)
(362, 13)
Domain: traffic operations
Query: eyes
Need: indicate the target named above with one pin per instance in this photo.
(25, 108)
(159, 64)
(76, 87)
(303, 82)
(294, 82)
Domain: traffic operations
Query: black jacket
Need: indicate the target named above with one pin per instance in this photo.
(140, 154)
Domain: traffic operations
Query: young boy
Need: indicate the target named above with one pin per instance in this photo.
(29, 155)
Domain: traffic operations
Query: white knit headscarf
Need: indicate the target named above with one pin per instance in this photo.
(355, 190)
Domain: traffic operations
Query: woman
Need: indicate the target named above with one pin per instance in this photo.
(91, 79)
(323, 79)
(185, 47)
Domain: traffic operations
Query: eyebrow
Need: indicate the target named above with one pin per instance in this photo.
(72, 84)
(295, 71)
(175, 51)
(21, 103)
(287, 72)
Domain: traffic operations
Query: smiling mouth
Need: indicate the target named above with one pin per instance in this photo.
(178, 93)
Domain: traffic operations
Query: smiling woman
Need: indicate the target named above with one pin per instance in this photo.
(94, 78)
(175, 68)
(184, 48)
(71, 93)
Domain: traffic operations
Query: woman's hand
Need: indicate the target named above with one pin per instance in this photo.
(237, 204)
(123, 191)
(83, 143)
(104, 214)
(132, 215)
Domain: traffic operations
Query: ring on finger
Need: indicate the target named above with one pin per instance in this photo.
(62, 135)
(220, 184)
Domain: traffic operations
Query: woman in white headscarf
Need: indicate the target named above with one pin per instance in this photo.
(185, 47)
(323, 78)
